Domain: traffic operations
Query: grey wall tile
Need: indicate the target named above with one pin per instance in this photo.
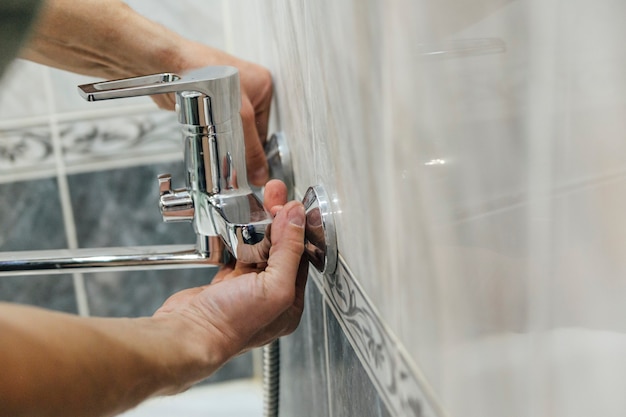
(351, 390)
(303, 379)
(120, 207)
(31, 216)
(31, 219)
(52, 292)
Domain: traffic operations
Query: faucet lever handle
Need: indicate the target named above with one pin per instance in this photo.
(211, 81)
(130, 87)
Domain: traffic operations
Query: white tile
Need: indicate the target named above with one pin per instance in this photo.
(478, 194)
(23, 93)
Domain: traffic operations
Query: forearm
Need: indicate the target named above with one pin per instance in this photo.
(104, 39)
(83, 367)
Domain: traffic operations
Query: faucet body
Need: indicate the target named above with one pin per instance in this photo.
(217, 197)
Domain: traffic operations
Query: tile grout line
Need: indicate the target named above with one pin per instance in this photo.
(329, 394)
(64, 195)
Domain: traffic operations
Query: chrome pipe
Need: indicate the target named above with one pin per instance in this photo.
(65, 261)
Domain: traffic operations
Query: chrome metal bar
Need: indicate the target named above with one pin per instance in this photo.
(116, 259)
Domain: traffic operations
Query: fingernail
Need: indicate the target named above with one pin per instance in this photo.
(296, 216)
(260, 176)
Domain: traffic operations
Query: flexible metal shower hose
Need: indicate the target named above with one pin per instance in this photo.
(271, 378)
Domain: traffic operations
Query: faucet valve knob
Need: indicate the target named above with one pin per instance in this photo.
(175, 205)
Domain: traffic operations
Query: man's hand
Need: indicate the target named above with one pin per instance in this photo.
(249, 305)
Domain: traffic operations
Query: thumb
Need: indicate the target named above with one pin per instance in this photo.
(287, 248)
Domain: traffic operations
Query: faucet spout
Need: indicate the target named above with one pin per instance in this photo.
(64, 261)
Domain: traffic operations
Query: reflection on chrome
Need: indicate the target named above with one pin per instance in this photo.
(459, 48)
(320, 239)
(435, 162)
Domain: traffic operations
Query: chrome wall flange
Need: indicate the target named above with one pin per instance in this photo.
(320, 236)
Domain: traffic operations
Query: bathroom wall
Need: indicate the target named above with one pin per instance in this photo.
(83, 175)
(475, 157)
(474, 154)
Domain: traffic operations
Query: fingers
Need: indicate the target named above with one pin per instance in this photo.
(258, 172)
(288, 321)
(286, 252)
(165, 101)
(276, 295)
(275, 194)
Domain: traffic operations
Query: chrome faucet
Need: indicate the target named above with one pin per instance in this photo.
(217, 198)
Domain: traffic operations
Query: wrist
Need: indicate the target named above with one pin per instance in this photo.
(187, 354)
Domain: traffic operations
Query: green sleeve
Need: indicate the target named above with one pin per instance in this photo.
(16, 18)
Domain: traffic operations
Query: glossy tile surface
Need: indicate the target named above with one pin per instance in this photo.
(303, 379)
(475, 155)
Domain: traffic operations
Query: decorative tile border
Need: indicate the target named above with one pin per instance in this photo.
(89, 145)
(113, 139)
(24, 150)
(379, 351)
